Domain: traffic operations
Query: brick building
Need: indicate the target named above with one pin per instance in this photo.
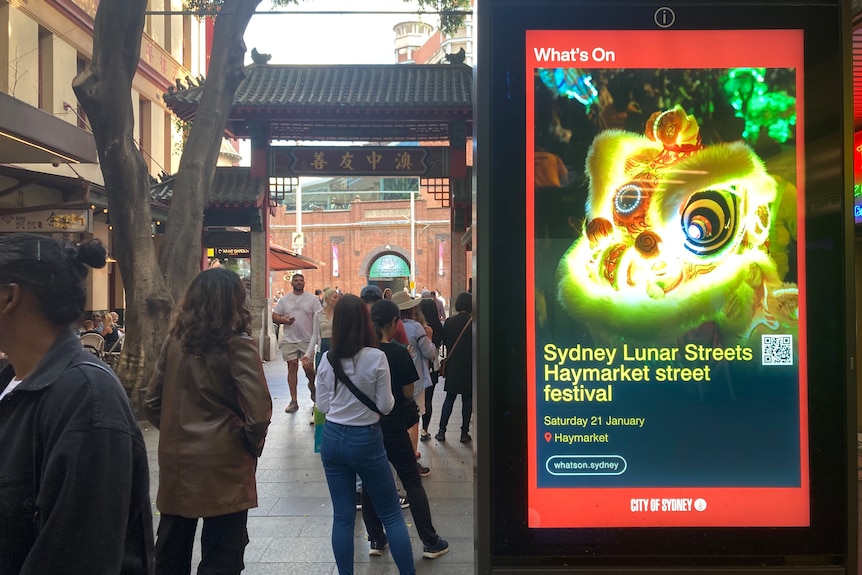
(366, 236)
(350, 224)
(358, 223)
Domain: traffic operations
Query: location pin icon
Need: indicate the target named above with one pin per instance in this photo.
(548, 436)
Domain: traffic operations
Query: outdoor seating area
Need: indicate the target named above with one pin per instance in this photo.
(95, 343)
(103, 335)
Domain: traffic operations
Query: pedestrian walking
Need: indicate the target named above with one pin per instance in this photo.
(209, 399)
(295, 311)
(399, 449)
(74, 480)
(422, 349)
(353, 390)
(458, 337)
(431, 319)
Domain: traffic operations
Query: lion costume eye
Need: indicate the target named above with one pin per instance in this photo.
(709, 222)
(627, 199)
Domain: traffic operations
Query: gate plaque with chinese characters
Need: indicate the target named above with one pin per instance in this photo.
(403, 161)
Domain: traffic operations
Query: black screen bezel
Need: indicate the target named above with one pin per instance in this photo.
(500, 183)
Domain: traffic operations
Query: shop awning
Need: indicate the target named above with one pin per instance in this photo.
(30, 135)
(283, 259)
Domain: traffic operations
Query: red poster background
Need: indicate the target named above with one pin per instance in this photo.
(612, 507)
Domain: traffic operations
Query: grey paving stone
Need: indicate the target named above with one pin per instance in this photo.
(290, 529)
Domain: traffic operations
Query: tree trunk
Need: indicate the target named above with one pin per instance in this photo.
(104, 90)
(197, 166)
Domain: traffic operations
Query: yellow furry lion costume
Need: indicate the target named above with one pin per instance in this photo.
(677, 236)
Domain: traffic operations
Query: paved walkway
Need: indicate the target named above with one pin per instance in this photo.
(290, 530)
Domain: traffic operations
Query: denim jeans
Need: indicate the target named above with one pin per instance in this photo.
(399, 450)
(348, 451)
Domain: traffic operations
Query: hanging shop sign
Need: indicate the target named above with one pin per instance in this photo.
(47, 221)
(229, 252)
(389, 266)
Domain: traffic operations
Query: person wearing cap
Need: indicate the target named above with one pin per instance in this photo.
(385, 316)
(295, 311)
(421, 349)
(370, 294)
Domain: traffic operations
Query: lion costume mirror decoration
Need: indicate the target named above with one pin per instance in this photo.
(679, 236)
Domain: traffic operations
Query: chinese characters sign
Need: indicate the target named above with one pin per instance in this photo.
(408, 161)
(47, 221)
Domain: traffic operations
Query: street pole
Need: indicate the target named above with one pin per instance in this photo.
(413, 242)
(297, 246)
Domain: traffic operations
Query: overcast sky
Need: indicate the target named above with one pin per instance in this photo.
(329, 39)
(326, 38)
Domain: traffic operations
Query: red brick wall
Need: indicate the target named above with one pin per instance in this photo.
(366, 229)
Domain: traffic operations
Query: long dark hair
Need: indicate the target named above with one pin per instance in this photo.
(211, 312)
(429, 310)
(55, 271)
(351, 328)
(464, 302)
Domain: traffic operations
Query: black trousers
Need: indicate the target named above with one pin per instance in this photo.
(429, 398)
(223, 542)
(399, 450)
(466, 411)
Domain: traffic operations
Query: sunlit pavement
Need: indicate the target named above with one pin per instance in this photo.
(290, 530)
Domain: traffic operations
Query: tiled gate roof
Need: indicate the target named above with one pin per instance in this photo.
(381, 102)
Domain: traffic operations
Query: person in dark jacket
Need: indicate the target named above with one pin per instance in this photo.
(459, 366)
(74, 481)
(385, 316)
(428, 307)
(209, 398)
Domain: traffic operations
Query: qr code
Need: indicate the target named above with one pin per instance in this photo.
(777, 349)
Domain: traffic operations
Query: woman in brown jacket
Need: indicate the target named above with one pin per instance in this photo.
(209, 399)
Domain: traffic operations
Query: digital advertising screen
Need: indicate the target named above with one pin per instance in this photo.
(666, 296)
(857, 178)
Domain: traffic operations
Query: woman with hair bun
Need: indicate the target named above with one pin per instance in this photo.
(209, 398)
(74, 481)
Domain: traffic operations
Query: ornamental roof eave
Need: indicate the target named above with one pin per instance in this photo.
(398, 95)
(233, 186)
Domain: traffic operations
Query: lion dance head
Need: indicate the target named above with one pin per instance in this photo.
(676, 236)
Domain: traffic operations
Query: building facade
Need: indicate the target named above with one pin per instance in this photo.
(367, 230)
(368, 233)
(45, 44)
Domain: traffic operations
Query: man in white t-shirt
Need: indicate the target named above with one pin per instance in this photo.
(295, 311)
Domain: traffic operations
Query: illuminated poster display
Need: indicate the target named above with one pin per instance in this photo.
(857, 178)
(666, 327)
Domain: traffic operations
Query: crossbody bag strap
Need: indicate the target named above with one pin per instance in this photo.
(463, 329)
(339, 374)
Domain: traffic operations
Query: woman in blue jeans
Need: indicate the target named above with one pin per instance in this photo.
(352, 440)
